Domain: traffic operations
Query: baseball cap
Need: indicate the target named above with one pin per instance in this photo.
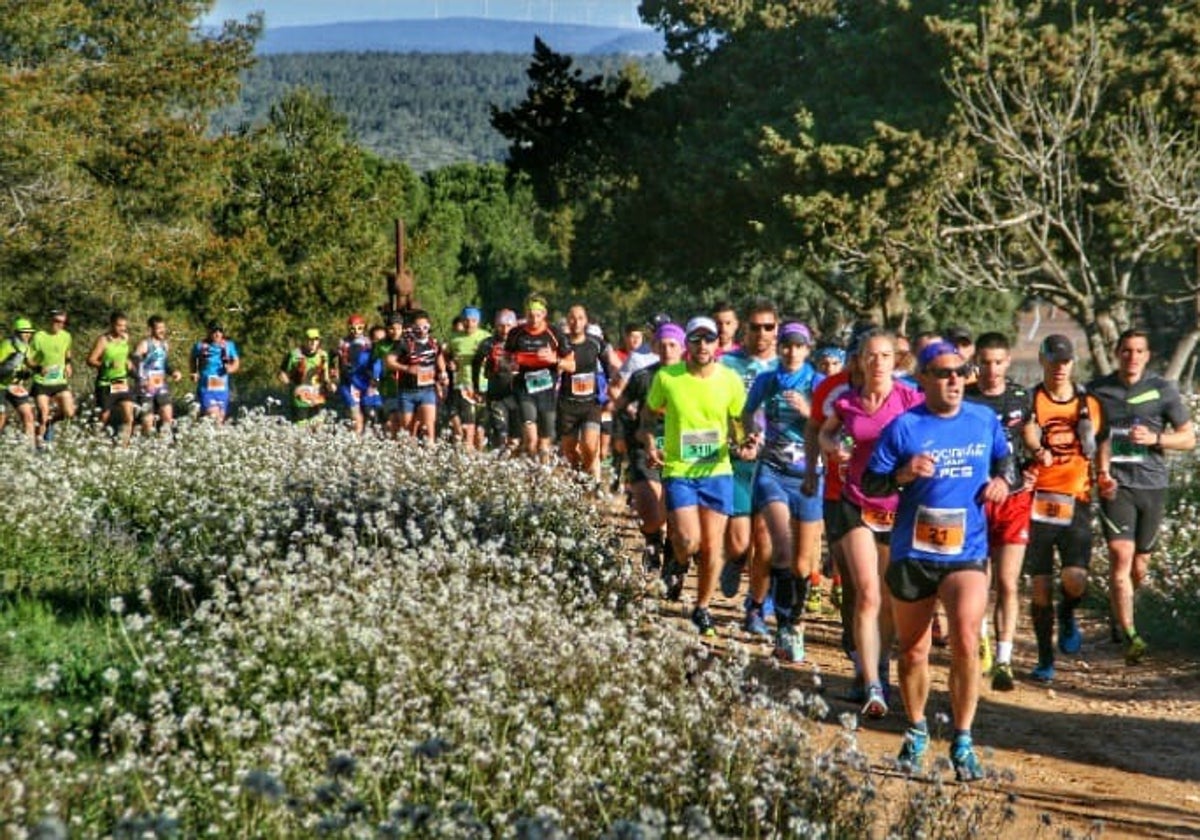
(794, 332)
(472, 312)
(506, 316)
(1057, 348)
(215, 326)
(312, 332)
(669, 331)
(356, 319)
(958, 334)
(931, 351)
(660, 318)
(701, 323)
(594, 331)
(22, 325)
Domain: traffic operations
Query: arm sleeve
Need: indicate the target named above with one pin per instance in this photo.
(880, 477)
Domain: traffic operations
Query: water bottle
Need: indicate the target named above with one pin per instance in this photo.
(846, 448)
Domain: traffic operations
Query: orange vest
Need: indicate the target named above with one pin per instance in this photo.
(1070, 473)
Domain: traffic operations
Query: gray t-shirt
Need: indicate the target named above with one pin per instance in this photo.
(1151, 401)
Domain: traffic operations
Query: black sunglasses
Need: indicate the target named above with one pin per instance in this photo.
(762, 327)
(961, 372)
(702, 338)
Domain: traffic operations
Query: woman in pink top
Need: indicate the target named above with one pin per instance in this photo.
(848, 437)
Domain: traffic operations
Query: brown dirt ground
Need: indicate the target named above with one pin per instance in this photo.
(1109, 750)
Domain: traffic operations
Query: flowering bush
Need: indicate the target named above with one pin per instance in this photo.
(316, 633)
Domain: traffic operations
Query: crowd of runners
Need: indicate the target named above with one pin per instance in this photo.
(914, 474)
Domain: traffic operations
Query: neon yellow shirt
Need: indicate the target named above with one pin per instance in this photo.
(697, 414)
(50, 351)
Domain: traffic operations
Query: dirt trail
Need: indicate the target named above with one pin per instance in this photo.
(1109, 749)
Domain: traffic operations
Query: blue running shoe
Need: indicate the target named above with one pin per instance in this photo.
(1070, 640)
(966, 764)
(1043, 673)
(731, 577)
(768, 608)
(912, 751)
(789, 644)
(755, 624)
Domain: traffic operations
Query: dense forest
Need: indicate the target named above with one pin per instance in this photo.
(426, 109)
(912, 162)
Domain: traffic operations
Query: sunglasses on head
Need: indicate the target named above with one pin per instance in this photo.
(762, 327)
(945, 373)
(702, 338)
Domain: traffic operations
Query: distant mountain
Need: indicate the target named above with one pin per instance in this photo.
(459, 35)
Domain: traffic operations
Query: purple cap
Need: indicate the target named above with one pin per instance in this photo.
(795, 333)
(932, 351)
(670, 331)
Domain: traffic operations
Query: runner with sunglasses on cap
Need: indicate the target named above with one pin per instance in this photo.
(355, 370)
(15, 379)
(949, 457)
(493, 374)
(702, 403)
(541, 353)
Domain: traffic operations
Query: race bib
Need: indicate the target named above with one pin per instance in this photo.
(118, 386)
(700, 445)
(583, 384)
(879, 521)
(537, 381)
(214, 383)
(1124, 450)
(155, 382)
(52, 372)
(1053, 508)
(793, 455)
(940, 530)
(18, 390)
(309, 395)
(426, 376)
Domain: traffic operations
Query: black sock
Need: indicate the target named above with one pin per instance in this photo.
(784, 584)
(1069, 603)
(1043, 628)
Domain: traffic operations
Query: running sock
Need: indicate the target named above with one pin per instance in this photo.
(1069, 603)
(785, 586)
(962, 737)
(1043, 628)
(1004, 652)
(921, 725)
(1131, 634)
(983, 628)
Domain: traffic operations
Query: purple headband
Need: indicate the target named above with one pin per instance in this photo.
(932, 351)
(670, 331)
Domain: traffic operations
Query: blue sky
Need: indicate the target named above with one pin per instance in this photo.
(301, 12)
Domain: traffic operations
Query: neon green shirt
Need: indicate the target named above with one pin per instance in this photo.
(114, 361)
(697, 414)
(462, 349)
(49, 351)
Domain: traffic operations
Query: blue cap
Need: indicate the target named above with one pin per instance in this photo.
(472, 312)
(932, 351)
(829, 351)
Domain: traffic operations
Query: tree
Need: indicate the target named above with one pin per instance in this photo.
(1082, 179)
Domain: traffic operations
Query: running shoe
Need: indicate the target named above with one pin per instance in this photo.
(1002, 677)
(1043, 673)
(985, 654)
(674, 574)
(703, 620)
(768, 608)
(651, 558)
(754, 623)
(813, 604)
(731, 577)
(876, 706)
(789, 644)
(1070, 640)
(912, 751)
(966, 764)
(1135, 649)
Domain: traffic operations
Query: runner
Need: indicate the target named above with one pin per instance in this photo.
(493, 373)
(702, 402)
(1146, 418)
(305, 370)
(356, 372)
(645, 481)
(422, 377)
(790, 518)
(50, 361)
(213, 360)
(152, 365)
(747, 542)
(582, 394)
(725, 317)
(949, 457)
(541, 353)
(110, 358)
(383, 354)
(1061, 435)
(1008, 521)
(828, 359)
(848, 437)
(15, 379)
(466, 404)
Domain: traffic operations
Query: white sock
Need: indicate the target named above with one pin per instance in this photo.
(1004, 652)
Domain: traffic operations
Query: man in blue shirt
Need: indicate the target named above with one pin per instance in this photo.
(949, 457)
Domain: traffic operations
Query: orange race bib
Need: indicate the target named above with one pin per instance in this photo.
(1053, 508)
(940, 530)
(309, 394)
(426, 376)
(583, 384)
(18, 390)
(879, 521)
(118, 386)
(155, 382)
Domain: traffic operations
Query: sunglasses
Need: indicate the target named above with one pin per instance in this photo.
(762, 327)
(945, 373)
(702, 338)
